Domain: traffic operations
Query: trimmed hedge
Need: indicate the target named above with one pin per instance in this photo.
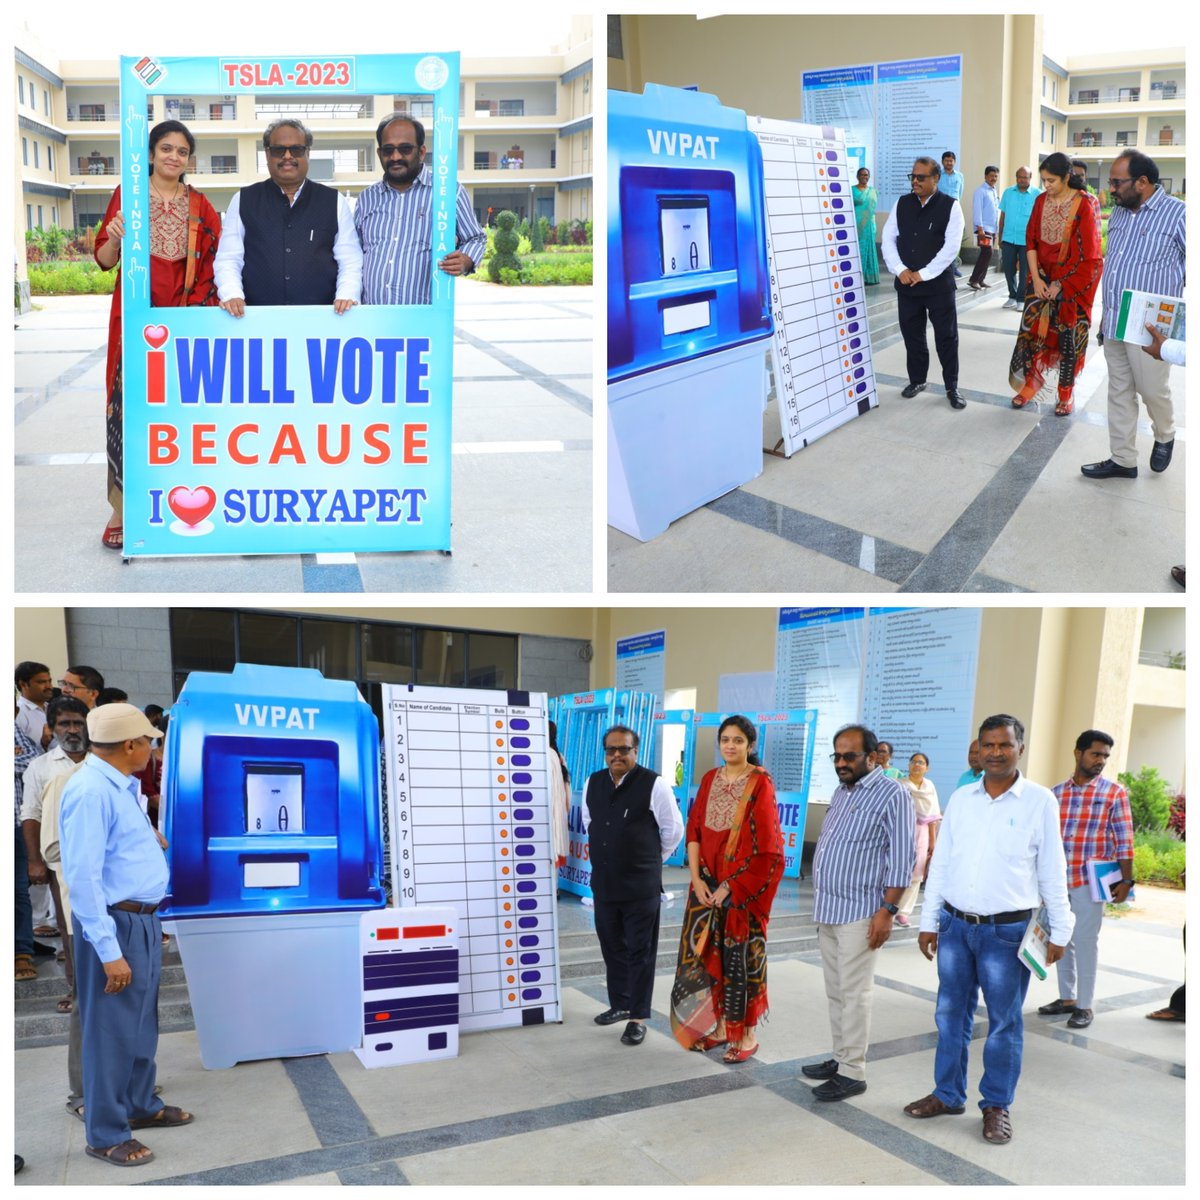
(70, 279)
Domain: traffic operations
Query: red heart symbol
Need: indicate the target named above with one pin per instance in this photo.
(191, 505)
(156, 335)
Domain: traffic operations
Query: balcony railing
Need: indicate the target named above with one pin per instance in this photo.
(96, 166)
(1174, 660)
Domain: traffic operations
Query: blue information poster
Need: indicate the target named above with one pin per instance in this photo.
(642, 663)
(818, 665)
(293, 429)
(919, 686)
(844, 97)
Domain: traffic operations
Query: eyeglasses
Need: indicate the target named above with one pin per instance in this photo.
(918, 178)
(1116, 183)
(617, 750)
(294, 151)
(405, 150)
(849, 758)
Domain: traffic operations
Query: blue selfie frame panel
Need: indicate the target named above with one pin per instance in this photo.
(291, 430)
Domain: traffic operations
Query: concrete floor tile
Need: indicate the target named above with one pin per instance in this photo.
(689, 558)
(572, 1154)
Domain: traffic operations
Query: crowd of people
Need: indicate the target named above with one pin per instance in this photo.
(1000, 850)
(1054, 260)
(286, 240)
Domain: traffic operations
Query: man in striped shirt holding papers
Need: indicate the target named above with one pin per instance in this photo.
(862, 864)
(1146, 252)
(999, 850)
(1097, 825)
(394, 219)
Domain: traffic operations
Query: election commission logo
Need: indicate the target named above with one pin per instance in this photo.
(432, 72)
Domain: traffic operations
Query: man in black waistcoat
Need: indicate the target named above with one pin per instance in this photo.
(288, 240)
(920, 240)
(633, 824)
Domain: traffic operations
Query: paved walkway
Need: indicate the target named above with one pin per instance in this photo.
(568, 1104)
(522, 455)
(915, 497)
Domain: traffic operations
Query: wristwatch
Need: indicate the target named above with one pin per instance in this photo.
(892, 908)
(1128, 881)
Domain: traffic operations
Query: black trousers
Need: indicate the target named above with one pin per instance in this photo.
(942, 314)
(628, 933)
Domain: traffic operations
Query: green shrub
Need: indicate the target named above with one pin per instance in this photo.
(1158, 858)
(70, 279)
(537, 235)
(1149, 798)
(506, 243)
(587, 226)
(509, 277)
(563, 233)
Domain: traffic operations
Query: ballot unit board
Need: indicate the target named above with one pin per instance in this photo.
(821, 346)
(469, 827)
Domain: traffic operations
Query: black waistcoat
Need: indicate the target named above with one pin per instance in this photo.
(922, 233)
(289, 248)
(625, 849)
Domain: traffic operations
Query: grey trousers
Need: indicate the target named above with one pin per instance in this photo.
(1077, 967)
(849, 966)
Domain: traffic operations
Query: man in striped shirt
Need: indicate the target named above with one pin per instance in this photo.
(1096, 824)
(1146, 253)
(863, 862)
(394, 219)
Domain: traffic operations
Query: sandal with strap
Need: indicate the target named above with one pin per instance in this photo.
(63, 1005)
(113, 537)
(25, 970)
(167, 1117)
(1164, 1014)
(1064, 408)
(734, 1055)
(997, 1127)
(709, 1043)
(121, 1155)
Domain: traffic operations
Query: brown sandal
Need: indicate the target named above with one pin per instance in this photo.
(997, 1128)
(932, 1106)
(121, 1155)
(25, 970)
(166, 1117)
(1164, 1014)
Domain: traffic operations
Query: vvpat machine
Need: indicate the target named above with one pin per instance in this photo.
(689, 305)
(271, 809)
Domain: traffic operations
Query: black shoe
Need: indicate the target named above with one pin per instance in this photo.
(635, 1034)
(1179, 574)
(956, 398)
(1081, 1018)
(1108, 470)
(912, 389)
(610, 1016)
(824, 1070)
(1160, 456)
(1057, 1007)
(41, 950)
(839, 1087)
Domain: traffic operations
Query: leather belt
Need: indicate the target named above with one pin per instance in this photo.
(134, 907)
(1005, 918)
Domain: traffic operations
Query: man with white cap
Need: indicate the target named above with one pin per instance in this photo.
(116, 874)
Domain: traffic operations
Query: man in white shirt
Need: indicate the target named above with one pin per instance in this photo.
(921, 238)
(35, 686)
(999, 850)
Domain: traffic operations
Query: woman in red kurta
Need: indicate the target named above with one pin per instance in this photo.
(735, 856)
(1063, 247)
(184, 231)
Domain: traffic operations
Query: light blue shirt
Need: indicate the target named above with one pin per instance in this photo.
(985, 208)
(952, 185)
(1016, 205)
(1147, 249)
(109, 851)
(396, 231)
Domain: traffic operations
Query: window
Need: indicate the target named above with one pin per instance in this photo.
(28, 210)
(1043, 131)
(49, 157)
(511, 108)
(267, 638)
(40, 225)
(224, 164)
(1052, 131)
(202, 639)
(1043, 87)
(20, 89)
(330, 647)
(37, 156)
(441, 657)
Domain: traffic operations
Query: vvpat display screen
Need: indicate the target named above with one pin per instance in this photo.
(274, 798)
(683, 226)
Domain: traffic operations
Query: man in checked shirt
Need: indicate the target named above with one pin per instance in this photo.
(1096, 824)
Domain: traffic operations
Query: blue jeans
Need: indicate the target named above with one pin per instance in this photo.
(22, 903)
(970, 957)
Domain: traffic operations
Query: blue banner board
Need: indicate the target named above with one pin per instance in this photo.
(291, 430)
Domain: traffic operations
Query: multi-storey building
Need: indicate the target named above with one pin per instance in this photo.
(524, 137)
(1101, 104)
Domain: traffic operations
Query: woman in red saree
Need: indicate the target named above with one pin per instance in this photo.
(735, 856)
(1063, 247)
(184, 231)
